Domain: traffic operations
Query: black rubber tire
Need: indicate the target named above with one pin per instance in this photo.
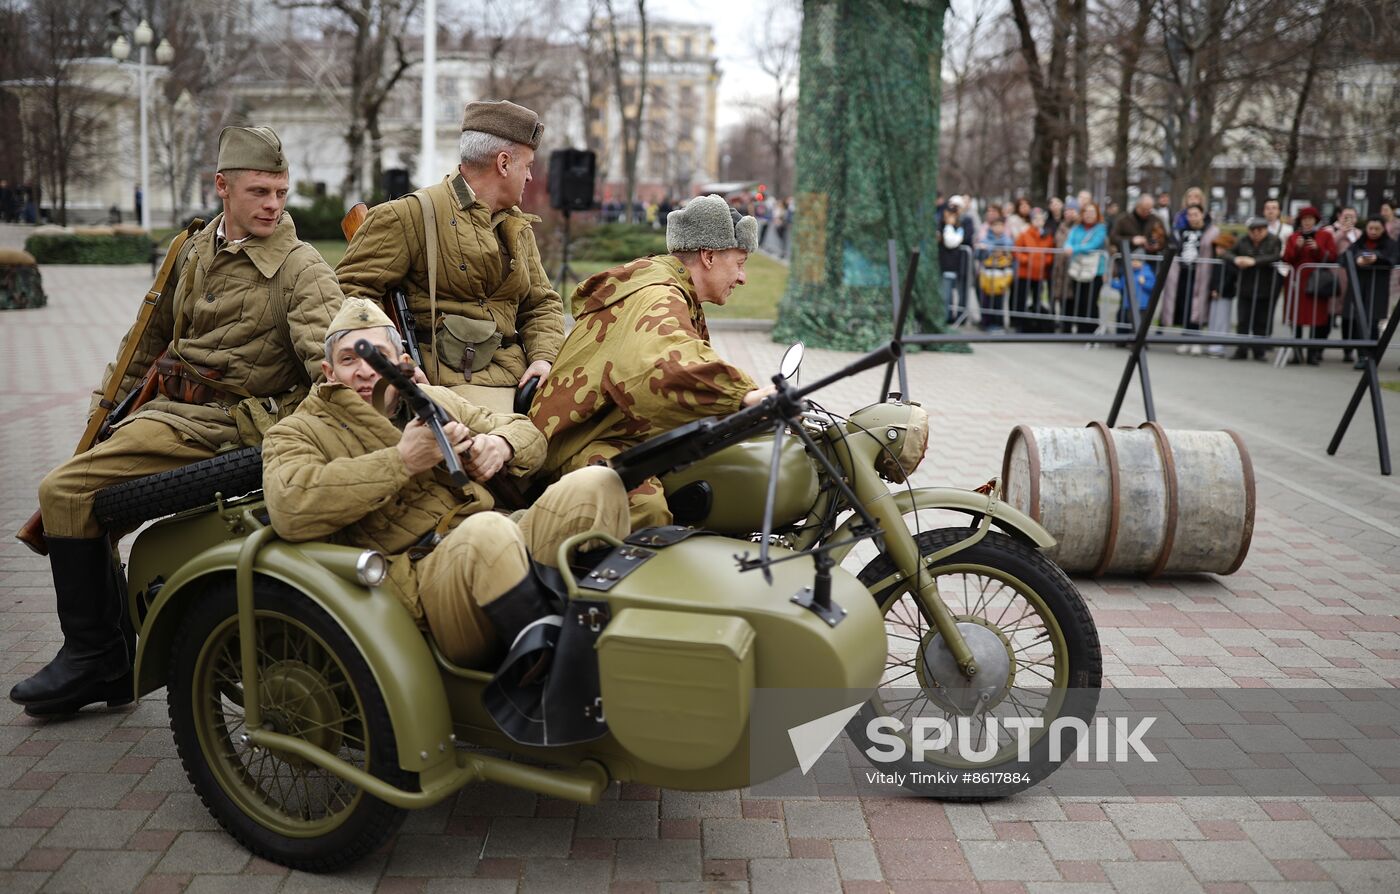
(369, 822)
(130, 503)
(1071, 613)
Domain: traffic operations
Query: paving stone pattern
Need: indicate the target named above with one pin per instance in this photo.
(100, 803)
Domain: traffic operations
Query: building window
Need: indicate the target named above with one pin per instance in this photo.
(686, 47)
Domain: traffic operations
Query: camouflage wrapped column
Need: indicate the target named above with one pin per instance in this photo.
(20, 283)
(867, 155)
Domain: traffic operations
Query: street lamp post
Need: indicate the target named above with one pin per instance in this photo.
(143, 37)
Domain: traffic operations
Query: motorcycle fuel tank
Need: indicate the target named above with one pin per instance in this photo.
(725, 492)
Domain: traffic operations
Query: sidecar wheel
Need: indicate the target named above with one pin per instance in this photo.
(314, 684)
(1022, 610)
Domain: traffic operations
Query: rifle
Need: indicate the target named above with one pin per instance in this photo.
(507, 492)
(397, 304)
(109, 410)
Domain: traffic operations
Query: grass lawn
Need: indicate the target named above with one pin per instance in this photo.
(1391, 386)
(757, 299)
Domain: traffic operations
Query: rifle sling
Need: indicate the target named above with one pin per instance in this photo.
(174, 256)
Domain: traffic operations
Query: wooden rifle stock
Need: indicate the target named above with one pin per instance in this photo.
(109, 411)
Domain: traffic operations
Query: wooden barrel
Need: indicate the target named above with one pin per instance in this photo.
(1135, 501)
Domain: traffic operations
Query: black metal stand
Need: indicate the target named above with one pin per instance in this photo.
(565, 271)
(1370, 378)
(900, 299)
(1142, 321)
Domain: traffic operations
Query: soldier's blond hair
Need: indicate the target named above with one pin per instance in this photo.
(478, 149)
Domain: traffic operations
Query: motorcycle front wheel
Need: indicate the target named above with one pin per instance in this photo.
(1037, 652)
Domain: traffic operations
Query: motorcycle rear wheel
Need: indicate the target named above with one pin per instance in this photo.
(315, 685)
(1007, 587)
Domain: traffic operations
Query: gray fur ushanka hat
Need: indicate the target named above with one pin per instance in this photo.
(708, 222)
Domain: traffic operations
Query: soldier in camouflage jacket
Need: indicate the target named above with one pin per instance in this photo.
(639, 361)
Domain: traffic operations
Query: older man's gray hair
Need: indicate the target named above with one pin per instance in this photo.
(477, 149)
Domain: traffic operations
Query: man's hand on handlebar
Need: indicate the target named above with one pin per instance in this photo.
(758, 394)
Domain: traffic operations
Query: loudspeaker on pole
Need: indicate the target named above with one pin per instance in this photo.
(571, 176)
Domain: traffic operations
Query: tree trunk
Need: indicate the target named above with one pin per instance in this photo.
(1132, 52)
(1047, 90)
(1295, 127)
(1079, 165)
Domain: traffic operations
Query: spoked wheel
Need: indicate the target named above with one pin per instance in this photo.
(1037, 655)
(315, 686)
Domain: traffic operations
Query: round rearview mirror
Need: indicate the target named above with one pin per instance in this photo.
(792, 360)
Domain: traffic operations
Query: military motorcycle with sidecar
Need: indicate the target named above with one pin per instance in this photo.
(310, 711)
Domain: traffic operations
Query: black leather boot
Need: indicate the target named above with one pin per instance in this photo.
(94, 664)
(517, 608)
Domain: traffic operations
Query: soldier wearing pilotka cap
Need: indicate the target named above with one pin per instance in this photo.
(237, 342)
(487, 318)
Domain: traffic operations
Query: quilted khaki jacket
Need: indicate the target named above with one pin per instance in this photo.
(332, 471)
(271, 346)
(488, 269)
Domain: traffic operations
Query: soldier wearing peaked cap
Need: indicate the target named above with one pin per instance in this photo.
(465, 255)
(236, 340)
(639, 361)
(351, 462)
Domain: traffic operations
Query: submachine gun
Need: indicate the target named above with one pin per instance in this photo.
(507, 493)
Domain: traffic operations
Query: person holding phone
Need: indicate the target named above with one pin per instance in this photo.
(1311, 244)
(1376, 254)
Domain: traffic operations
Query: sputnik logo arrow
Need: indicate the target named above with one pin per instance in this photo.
(811, 739)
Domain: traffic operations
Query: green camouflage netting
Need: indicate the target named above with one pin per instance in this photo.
(867, 158)
(21, 286)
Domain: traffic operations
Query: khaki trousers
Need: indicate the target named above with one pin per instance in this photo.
(488, 554)
(497, 399)
(140, 447)
(646, 502)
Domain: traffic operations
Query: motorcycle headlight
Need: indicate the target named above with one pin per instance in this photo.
(371, 568)
(906, 444)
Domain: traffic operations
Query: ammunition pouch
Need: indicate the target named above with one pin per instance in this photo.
(177, 383)
(463, 344)
(253, 416)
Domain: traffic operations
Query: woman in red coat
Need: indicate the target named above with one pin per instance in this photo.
(1311, 244)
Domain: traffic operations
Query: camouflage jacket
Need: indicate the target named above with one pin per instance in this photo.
(488, 269)
(332, 470)
(637, 363)
(269, 345)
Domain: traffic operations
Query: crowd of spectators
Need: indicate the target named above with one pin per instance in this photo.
(1042, 269)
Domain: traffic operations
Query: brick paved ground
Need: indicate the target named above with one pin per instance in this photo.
(100, 803)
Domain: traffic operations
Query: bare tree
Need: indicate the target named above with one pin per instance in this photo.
(212, 41)
(377, 60)
(63, 120)
(1129, 51)
(1079, 158)
(630, 111)
(776, 49)
(1047, 88)
(965, 62)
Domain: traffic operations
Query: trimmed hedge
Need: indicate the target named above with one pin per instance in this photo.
(619, 242)
(320, 220)
(72, 248)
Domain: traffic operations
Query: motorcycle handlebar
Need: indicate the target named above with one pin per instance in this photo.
(699, 439)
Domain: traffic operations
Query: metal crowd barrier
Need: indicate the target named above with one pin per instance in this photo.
(1370, 349)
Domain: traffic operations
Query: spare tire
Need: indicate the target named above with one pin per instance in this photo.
(231, 475)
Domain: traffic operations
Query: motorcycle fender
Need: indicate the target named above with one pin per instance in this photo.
(1004, 515)
(377, 623)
